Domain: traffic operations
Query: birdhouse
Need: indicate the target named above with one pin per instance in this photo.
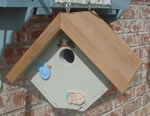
(76, 60)
(65, 75)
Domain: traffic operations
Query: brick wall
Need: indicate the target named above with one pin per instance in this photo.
(23, 99)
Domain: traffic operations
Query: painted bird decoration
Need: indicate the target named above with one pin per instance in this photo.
(45, 71)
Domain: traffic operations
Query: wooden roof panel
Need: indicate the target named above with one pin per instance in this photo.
(102, 45)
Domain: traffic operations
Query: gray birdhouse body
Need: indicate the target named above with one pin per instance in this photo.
(71, 71)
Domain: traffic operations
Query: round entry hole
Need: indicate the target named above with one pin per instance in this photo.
(67, 55)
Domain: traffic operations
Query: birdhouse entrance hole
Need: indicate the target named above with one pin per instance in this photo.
(67, 55)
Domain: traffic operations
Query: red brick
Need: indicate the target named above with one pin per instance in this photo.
(32, 30)
(148, 83)
(13, 54)
(34, 112)
(147, 2)
(116, 112)
(146, 98)
(117, 26)
(130, 107)
(137, 1)
(65, 112)
(145, 111)
(10, 87)
(145, 51)
(144, 12)
(131, 13)
(145, 76)
(1, 102)
(134, 26)
(145, 65)
(20, 99)
(125, 97)
(141, 89)
(26, 113)
(131, 39)
(138, 51)
(47, 110)
(31, 112)
(136, 39)
(23, 82)
(145, 38)
(99, 109)
(34, 35)
(112, 91)
(148, 26)
(137, 79)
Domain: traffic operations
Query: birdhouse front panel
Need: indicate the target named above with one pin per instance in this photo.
(66, 77)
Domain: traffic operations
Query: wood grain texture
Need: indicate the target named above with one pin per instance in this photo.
(101, 44)
(96, 39)
(34, 50)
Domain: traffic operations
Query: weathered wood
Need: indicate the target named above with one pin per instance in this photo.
(96, 39)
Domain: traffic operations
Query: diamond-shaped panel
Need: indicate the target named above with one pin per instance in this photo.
(74, 83)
